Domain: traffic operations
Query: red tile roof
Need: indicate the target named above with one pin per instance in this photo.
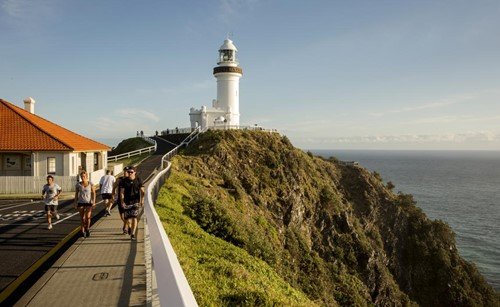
(22, 131)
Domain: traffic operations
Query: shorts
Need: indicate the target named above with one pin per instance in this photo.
(84, 205)
(51, 208)
(132, 211)
(106, 195)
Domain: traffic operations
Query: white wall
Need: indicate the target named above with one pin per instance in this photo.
(96, 176)
(206, 117)
(118, 168)
(73, 164)
(15, 164)
(104, 159)
(228, 96)
(41, 162)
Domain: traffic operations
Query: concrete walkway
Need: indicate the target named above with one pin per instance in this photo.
(105, 269)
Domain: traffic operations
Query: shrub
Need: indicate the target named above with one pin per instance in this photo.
(390, 185)
(377, 175)
(214, 219)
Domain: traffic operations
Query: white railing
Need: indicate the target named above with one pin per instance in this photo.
(132, 153)
(149, 140)
(218, 127)
(174, 289)
(234, 127)
(33, 184)
(194, 135)
(116, 169)
(96, 176)
(177, 131)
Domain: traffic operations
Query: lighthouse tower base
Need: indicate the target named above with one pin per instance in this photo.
(208, 117)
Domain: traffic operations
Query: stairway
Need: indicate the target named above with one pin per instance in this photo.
(164, 144)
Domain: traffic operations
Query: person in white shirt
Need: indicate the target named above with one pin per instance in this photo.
(106, 184)
(50, 196)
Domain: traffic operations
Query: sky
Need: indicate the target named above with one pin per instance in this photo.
(327, 74)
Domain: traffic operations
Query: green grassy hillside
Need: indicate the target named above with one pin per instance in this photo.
(128, 145)
(255, 221)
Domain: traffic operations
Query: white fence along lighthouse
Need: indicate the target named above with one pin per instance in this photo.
(225, 110)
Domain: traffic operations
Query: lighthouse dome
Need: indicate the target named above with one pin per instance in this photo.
(228, 45)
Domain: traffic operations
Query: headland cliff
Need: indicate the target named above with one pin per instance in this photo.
(255, 221)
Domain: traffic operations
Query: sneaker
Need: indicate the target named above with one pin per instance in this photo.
(132, 237)
(49, 227)
(125, 231)
(57, 216)
(84, 235)
(108, 213)
(88, 232)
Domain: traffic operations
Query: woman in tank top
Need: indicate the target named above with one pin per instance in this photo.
(85, 202)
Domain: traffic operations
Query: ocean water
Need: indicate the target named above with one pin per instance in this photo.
(461, 188)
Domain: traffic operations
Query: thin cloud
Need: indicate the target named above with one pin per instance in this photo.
(475, 136)
(14, 8)
(454, 118)
(28, 9)
(136, 120)
(137, 114)
(196, 86)
(183, 88)
(430, 105)
(230, 9)
(27, 15)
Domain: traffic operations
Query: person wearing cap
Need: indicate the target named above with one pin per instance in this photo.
(132, 199)
(116, 196)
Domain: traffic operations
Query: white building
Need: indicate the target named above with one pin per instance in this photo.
(31, 146)
(225, 110)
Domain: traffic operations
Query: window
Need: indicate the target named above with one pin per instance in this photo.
(96, 161)
(27, 162)
(51, 165)
(226, 55)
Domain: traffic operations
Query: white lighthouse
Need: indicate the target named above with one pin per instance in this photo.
(225, 110)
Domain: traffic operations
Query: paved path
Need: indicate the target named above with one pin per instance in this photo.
(25, 241)
(105, 269)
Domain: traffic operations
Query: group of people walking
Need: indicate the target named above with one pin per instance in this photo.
(126, 192)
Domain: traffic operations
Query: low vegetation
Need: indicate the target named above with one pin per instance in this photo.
(128, 145)
(130, 161)
(255, 221)
(219, 273)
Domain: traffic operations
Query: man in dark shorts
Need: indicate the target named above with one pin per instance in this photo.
(106, 183)
(132, 199)
(116, 197)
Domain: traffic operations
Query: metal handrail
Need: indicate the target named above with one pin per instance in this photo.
(132, 153)
(238, 127)
(177, 131)
(149, 140)
(175, 289)
(194, 135)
